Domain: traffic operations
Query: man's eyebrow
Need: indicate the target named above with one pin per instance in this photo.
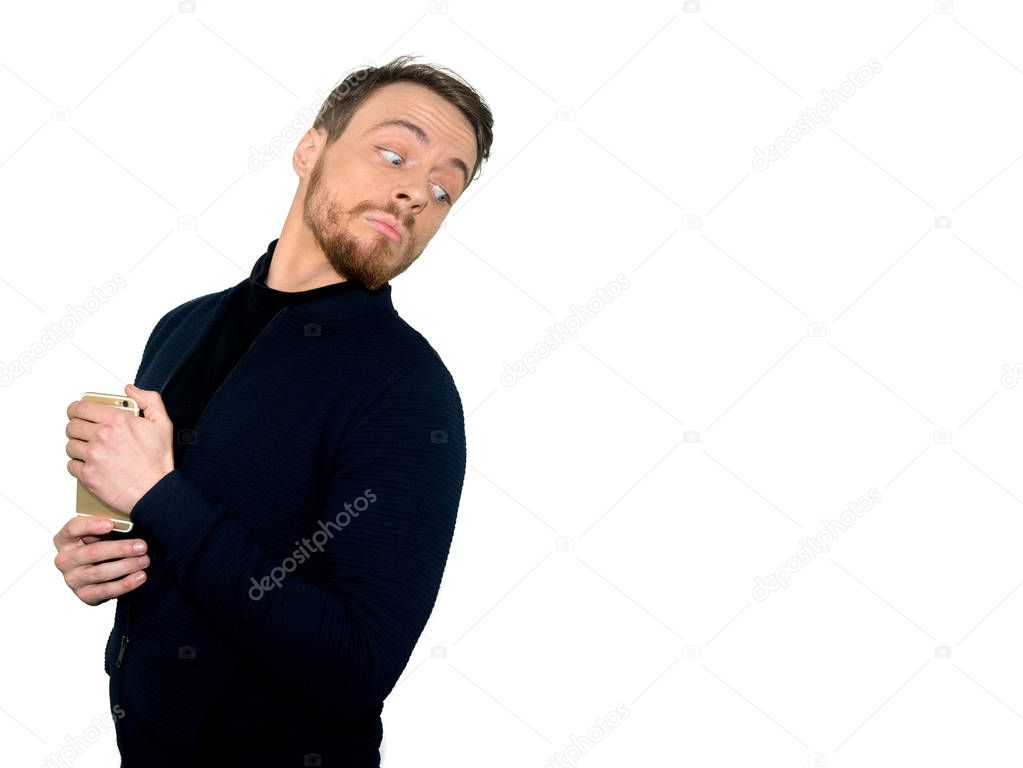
(422, 138)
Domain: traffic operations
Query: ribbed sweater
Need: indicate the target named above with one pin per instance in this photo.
(248, 313)
(298, 548)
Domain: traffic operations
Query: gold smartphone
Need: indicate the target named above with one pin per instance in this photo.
(87, 503)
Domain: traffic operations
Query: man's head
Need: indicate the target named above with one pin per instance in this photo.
(398, 144)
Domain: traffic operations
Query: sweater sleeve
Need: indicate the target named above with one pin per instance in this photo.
(390, 506)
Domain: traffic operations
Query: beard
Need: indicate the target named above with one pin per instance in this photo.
(372, 264)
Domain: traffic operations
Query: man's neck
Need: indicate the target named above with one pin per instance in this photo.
(298, 263)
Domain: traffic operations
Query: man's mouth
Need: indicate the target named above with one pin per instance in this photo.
(383, 226)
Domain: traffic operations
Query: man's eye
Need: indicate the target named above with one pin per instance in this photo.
(446, 197)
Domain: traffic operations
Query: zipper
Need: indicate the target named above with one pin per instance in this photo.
(120, 653)
(127, 626)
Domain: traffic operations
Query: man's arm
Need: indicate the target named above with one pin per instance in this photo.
(344, 643)
(94, 568)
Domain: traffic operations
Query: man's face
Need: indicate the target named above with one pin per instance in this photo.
(385, 171)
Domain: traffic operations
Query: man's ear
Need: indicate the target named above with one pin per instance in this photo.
(307, 151)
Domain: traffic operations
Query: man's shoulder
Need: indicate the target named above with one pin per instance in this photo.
(184, 316)
(412, 354)
(191, 310)
(398, 364)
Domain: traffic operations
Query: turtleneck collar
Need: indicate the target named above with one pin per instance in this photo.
(336, 301)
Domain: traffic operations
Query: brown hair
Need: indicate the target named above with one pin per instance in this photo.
(338, 108)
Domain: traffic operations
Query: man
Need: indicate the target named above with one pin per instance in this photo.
(295, 479)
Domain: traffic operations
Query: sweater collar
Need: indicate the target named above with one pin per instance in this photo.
(338, 301)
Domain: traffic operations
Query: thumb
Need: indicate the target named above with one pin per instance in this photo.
(149, 400)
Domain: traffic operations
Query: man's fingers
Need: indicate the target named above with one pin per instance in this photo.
(74, 556)
(98, 593)
(87, 575)
(79, 526)
(95, 567)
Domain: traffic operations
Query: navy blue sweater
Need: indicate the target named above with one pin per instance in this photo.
(209, 363)
(297, 551)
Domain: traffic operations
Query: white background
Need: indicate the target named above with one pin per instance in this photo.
(792, 341)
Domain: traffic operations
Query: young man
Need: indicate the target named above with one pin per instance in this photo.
(295, 479)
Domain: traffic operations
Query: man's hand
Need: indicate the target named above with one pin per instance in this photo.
(81, 556)
(116, 455)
